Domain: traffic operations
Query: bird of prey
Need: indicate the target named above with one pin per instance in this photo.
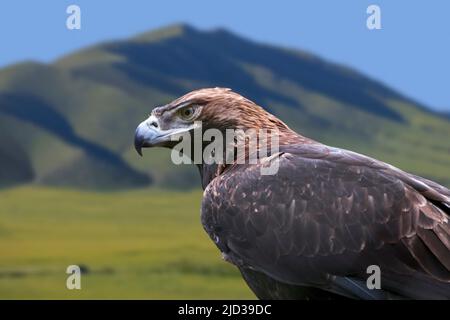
(312, 230)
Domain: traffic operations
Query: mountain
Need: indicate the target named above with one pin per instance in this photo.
(446, 114)
(72, 122)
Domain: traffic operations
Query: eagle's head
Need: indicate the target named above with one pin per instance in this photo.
(215, 108)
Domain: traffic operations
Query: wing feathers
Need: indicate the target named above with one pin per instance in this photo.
(435, 245)
(329, 213)
(427, 261)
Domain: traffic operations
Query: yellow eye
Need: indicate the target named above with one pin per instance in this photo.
(187, 113)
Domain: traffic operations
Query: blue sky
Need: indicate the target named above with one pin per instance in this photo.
(411, 52)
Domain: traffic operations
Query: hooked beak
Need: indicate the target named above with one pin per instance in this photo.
(149, 134)
(146, 134)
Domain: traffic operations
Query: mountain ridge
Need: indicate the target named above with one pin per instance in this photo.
(76, 116)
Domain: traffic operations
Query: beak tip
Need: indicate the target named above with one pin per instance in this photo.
(138, 145)
(138, 150)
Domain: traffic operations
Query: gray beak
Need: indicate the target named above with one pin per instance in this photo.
(138, 144)
(149, 134)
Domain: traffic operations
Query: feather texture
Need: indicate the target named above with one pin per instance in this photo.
(329, 214)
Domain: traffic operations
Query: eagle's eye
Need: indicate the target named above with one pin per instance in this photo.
(187, 113)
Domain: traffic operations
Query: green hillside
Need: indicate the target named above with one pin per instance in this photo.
(145, 244)
(72, 122)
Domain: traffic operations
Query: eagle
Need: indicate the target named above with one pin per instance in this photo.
(315, 228)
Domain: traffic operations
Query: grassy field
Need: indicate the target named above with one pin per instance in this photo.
(144, 244)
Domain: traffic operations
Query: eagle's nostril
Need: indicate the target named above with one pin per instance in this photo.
(154, 124)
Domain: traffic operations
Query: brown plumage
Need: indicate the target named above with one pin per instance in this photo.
(229, 110)
(313, 229)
